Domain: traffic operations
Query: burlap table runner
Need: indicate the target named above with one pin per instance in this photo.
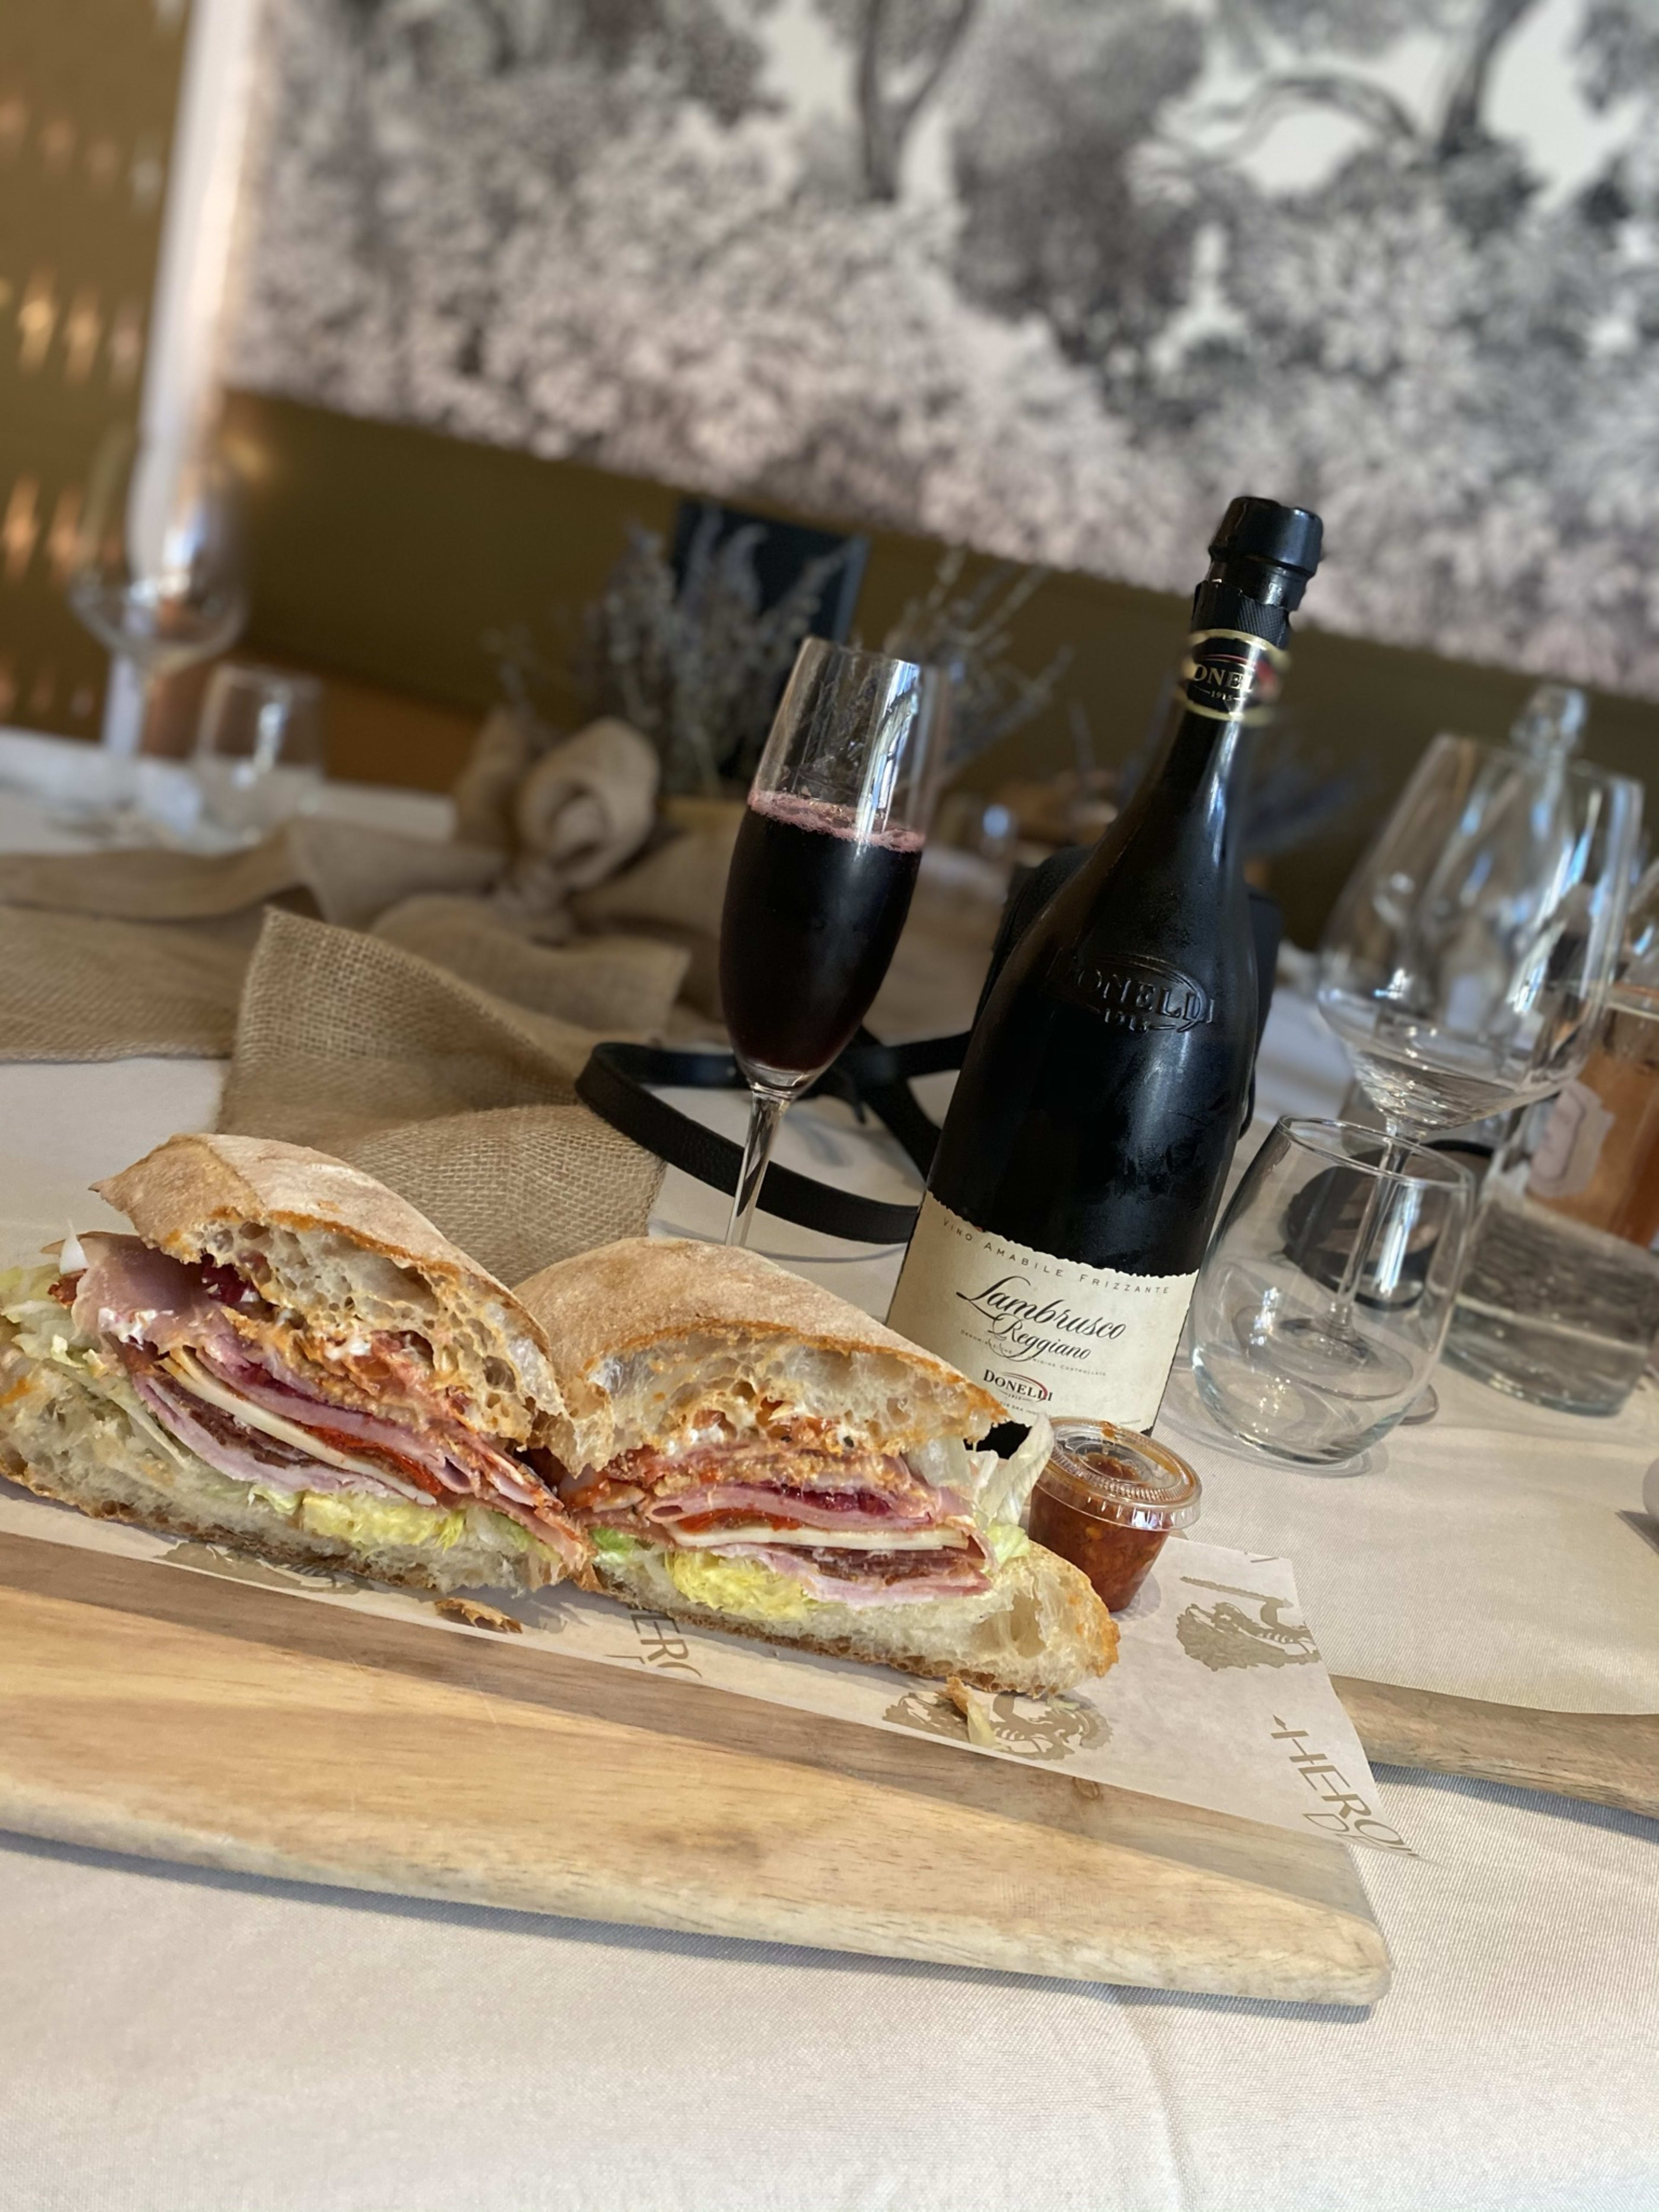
(349, 871)
(458, 1098)
(106, 955)
(610, 984)
(77, 986)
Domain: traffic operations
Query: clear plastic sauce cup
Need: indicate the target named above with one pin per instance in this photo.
(1107, 1501)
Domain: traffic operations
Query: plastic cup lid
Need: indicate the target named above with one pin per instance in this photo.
(1120, 1475)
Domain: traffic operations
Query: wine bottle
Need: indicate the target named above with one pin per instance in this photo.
(1082, 1158)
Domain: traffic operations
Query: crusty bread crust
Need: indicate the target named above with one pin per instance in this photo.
(332, 1238)
(622, 1319)
(197, 1178)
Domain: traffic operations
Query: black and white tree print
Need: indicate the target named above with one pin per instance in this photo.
(1050, 278)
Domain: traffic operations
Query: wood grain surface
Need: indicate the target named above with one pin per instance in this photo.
(180, 1717)
(1609, 1758)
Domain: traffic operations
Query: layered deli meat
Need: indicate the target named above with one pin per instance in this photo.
(858, 1527)
(262, 1401)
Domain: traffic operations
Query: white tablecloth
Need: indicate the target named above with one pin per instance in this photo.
(184, 2042)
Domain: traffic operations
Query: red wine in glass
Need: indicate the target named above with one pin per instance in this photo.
(825, 861)
(813, 911)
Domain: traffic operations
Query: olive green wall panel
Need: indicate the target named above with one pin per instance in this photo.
(389, 553)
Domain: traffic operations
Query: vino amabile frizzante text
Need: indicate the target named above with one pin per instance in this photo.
(1088, 1141)
(813, 910)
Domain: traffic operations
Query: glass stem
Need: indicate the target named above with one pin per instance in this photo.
(766, 1110)
(1394, 1145)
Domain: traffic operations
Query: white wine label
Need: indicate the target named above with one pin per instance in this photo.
(1039, 1331)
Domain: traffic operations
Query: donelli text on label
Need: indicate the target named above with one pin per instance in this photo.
(1135, 993)
(1229, 675)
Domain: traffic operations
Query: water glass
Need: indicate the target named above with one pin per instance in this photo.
(1323, 1303)
(259, 757)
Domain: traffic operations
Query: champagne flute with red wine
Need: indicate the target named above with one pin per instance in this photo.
(821, 879)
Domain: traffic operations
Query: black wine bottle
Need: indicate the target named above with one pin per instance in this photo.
(1082, 1158)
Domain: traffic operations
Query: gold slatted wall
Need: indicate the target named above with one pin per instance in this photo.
(88, 91)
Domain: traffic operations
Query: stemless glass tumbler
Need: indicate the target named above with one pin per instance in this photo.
(259, 757)
(825, 862)
(1337, 1233)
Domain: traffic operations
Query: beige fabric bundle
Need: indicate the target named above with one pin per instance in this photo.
(569, 813)
(675, 894)
(461, 1101)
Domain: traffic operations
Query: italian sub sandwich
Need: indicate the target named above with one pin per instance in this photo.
(746, 1450)
(287, 1358)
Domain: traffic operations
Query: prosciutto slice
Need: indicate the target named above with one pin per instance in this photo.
(131, 1292)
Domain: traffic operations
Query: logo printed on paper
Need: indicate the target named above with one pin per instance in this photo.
(1347, 1811)
(1031, 1727)
(1225, 1635)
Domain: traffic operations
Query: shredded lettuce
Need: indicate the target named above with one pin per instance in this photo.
(1005, 1540)
(45, 1333)
(746, 1587)
(616, 1541)
(997, 1489)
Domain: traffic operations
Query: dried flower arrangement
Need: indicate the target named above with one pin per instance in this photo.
(967, 634)
(694, 665)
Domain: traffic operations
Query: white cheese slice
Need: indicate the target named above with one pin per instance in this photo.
(189, 1371)
(852, 1539)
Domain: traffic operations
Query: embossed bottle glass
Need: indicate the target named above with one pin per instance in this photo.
(1103, 1087)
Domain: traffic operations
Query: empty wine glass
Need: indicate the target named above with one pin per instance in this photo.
(825, 862)
(1466, 963)
(158, 576)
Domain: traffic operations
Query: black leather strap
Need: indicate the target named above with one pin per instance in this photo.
(617, 1084)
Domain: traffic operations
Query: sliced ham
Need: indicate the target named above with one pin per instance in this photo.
(245, 1455)
(879, 1578)
(863, 1509)
(222, 1388)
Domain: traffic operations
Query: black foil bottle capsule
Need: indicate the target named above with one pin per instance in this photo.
(1084, 1156)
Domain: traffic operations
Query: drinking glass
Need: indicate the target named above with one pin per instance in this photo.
(259, 757)
(1334, 1228)
(158, 576)
(825, 862)
(1466, 964)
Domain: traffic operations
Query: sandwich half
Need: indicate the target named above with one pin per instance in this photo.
(288, 1359)
(747, 1450)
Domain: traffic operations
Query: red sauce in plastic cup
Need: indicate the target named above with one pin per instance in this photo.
(1107, 1501)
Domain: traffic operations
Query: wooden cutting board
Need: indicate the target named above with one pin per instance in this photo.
(181, 1716)
(1608, 1759)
